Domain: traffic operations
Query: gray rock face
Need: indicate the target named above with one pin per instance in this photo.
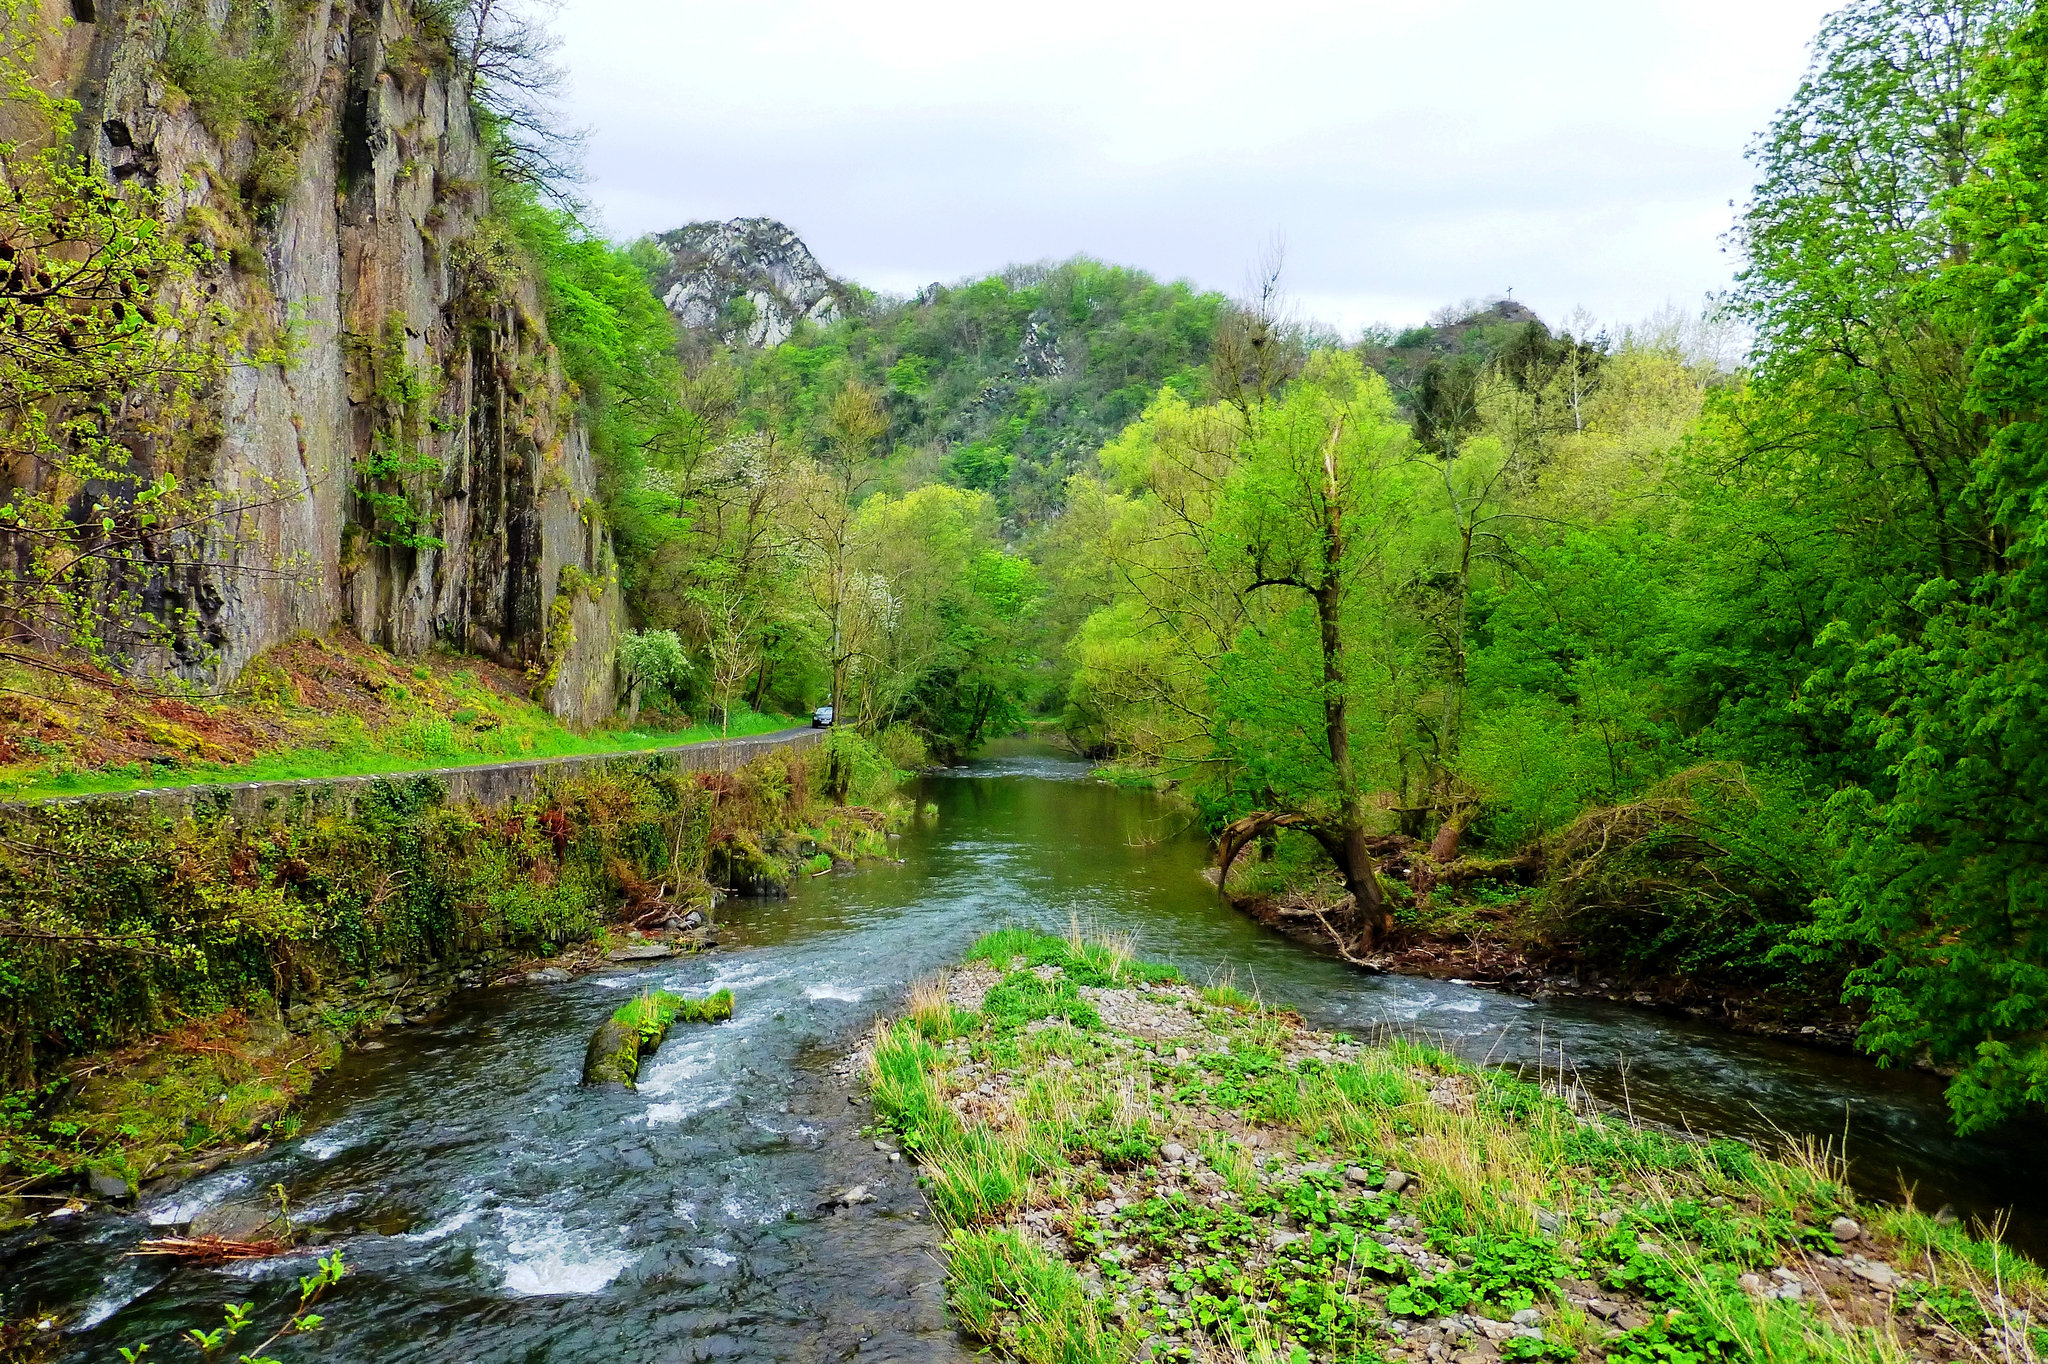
(748, 281)
(409, 329)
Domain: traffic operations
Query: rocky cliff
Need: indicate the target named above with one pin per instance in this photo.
(748, 281)
(410, 450)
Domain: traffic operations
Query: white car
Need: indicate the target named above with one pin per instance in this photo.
(821, 718)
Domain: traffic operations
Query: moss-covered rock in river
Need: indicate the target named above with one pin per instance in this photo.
(633, 1032)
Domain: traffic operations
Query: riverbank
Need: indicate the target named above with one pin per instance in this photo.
(174, 986)
(1132, 1167)
(1487, 945)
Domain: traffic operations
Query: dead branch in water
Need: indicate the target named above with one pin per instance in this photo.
(211, 1250)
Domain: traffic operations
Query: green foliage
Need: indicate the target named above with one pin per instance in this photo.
(110, 343)
(654, 661)
(1011, 381)
(1916, 285)
(1079, 959)
(1683, 1338)
(117, 915)
(1004, 1288)
(239, 78)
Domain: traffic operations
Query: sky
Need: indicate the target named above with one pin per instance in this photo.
(1402, 156)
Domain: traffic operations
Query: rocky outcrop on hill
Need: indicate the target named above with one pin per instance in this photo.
(747, 282)
(412, 453)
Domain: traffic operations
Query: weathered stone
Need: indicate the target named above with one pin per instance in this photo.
(109, 1184)
(653, 951)
(613, 1056)
(748, 281)
(359, 258)
(1846, 1229)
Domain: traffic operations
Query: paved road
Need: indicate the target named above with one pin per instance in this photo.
(484, 783)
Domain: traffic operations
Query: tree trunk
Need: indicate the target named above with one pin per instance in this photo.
(1443, 848)
(1345, 841)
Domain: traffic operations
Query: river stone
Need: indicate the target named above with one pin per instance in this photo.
(652, 951)
(613, 1055)
(108, 1184)
(552, 975)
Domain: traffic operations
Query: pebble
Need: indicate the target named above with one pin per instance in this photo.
(855, 1195)
(1173, 1150)
(1846, 1229)
(1394, 1182)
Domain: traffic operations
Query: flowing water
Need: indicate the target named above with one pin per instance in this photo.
(491, 1210)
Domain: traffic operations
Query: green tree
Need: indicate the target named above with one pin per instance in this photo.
(1946, 884)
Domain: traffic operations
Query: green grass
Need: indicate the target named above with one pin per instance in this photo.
(422, 746)
(1287, 1237)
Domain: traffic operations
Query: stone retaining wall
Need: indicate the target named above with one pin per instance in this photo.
(492, 784)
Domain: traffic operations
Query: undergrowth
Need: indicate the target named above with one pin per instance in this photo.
(1215, 1181)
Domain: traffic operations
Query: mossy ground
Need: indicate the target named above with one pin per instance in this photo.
(1132, 1167)
(309, 708)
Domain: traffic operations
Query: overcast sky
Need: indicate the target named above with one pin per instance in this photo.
(1581, 153)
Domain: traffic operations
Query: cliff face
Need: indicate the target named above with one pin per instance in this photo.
(746, 281)
(409, 451)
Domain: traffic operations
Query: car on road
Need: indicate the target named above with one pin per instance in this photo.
(821, 718)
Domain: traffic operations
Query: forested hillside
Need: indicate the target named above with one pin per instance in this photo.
(1687, 669)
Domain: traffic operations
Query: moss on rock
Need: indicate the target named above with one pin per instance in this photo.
(638, 1028)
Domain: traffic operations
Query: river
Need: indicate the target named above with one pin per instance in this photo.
(491, 1210)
